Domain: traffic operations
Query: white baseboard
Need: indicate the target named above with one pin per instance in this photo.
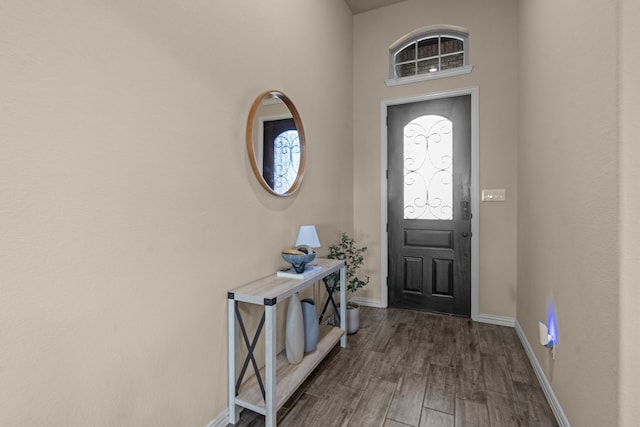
(542, 379)
(221, 420)
(368, 302)
(497, 320)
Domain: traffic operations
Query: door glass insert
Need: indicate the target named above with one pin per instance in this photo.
(428, 168)
(286, 160)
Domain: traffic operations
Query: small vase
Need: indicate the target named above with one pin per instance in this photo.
(311, 325)
(294, 331)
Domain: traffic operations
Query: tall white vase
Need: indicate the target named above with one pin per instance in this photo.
(294, 331)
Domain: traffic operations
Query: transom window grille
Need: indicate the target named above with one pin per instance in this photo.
(429, 55)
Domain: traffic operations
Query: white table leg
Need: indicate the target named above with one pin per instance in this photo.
(232, 361)
(270, 365)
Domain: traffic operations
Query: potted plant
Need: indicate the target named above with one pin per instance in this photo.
(347, 250)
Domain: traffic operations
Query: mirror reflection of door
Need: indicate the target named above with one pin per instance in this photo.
(281, 154)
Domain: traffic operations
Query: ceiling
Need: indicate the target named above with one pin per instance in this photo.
(359, 6)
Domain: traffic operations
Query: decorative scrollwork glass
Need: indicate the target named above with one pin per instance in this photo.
(428, 168)
(286, 160)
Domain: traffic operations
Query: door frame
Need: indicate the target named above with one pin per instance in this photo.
(475, 178)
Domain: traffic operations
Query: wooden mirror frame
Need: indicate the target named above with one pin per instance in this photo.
(250, 142)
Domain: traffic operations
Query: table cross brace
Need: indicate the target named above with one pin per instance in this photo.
(330, 291)
(250, 348)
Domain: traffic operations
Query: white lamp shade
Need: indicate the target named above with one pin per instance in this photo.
(307, 236)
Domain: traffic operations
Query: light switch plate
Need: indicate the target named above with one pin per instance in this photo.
(494, 195)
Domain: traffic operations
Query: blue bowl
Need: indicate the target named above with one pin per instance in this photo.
(299, 261)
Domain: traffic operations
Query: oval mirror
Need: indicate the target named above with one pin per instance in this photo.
(276, 143)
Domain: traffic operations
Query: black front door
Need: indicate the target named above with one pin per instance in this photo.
(429, 180)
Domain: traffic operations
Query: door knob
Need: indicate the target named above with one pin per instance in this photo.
(465, 234)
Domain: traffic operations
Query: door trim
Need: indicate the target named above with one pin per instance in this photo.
(475, 205)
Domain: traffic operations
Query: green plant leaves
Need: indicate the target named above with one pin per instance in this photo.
(346, 249)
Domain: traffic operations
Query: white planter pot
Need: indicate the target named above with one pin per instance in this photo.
(353, 318)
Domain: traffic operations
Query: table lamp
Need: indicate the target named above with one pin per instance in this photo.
(307, 239)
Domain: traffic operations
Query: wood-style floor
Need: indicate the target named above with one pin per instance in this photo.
(407, 368)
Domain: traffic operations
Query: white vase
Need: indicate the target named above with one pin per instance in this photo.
(294, 331)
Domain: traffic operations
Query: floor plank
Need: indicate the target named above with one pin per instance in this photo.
(490, 339)
(391, 423)
(406, 405)
(529, 392)
(535, 414)
(471, 414)
(502, 411)
(496, 375)
(387, 366)
(517, 360)
(336, 410)
(470, 381)
(431, 418)
(304, 411)
(440, 394)
(371, 409)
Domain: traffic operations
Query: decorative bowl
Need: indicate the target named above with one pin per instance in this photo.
(298, 262)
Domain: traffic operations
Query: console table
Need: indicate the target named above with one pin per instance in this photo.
(281, 379)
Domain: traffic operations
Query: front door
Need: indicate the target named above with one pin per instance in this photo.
(429, 228)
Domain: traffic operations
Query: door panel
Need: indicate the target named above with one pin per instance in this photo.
(428, 238)
(429, 178)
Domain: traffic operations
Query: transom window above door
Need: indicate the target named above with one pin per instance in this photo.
(428, 55)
